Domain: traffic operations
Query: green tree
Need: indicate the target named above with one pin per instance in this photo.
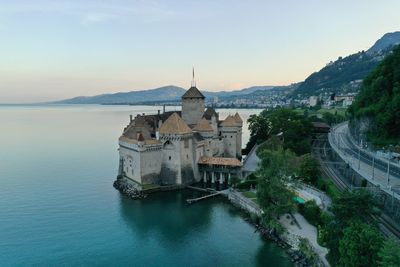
(379, 101)
(360, 245)
(389, 255)
(329, 118)
(272, 192)
(331, 235)
(347, 207)
(309, 169)
(356, 205)
(311, 212)
(294, 129)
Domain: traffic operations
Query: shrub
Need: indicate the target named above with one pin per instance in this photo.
(311, 212)
(247, 184)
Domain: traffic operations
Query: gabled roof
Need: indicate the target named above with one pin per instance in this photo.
(193, 92)
(203, 126)
(229, 121)
(237, 117)
(175, 124)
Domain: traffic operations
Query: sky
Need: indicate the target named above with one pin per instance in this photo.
(51, 50)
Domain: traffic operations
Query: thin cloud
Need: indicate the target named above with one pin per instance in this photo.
(96, 12)
(93, 18)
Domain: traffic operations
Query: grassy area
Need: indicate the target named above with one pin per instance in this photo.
(332, 190)
(249, 194)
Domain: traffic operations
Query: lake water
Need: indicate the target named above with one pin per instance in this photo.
(58, 206)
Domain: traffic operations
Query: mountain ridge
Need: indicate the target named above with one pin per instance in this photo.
(164, 93)
(345, 74)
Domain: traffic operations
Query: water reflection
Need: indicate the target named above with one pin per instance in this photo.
(166, 215)
(271, 255)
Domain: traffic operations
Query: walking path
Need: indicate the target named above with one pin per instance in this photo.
(306, 231)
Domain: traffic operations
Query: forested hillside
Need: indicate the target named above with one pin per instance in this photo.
(379, 102)
(346, 73)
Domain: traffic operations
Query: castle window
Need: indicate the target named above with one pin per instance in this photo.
(169, 157)
(231, 136)
(186, 143)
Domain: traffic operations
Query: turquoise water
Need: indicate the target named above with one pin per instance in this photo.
(58, 206)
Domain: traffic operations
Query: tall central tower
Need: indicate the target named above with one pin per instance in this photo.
(193, 104)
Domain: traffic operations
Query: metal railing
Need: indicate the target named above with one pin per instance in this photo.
(375, 170)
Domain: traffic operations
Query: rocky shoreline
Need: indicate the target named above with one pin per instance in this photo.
(128, 189)
(298, 257)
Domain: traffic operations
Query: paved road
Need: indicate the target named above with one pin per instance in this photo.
(307, 231)
(372, 168)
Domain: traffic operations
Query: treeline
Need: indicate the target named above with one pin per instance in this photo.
(347, 229)
(290, 126)
(379, 102)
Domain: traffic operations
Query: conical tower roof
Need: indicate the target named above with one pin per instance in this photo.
(203, 126)
(175, 125)
(237, 117)
(193, 92)
(229, 121)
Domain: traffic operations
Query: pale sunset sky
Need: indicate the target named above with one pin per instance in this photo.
(51, 50)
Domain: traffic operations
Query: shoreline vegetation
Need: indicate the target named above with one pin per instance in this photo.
(284, 139)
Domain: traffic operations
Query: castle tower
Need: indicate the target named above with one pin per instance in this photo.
(140, 157)
(206, 131)
(229, 130)
(177, 151)
(193, 104)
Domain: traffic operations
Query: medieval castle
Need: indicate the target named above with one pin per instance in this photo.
(179, 148)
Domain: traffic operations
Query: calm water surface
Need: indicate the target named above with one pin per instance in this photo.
(58, 206)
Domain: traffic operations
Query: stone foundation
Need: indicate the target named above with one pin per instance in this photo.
(128, 189)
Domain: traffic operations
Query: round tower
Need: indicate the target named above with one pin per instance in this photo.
(193, 104)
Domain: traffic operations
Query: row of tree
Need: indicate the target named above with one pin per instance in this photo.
(348, 230)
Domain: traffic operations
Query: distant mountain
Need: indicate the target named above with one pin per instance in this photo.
(166, 93)
(163, 94)
(345, 75)
(387, 40)
(244, 91)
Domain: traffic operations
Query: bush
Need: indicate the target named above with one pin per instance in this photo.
(247, 184)
(234, 181)
(311, 211)
(329, 187)
(309, 169)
